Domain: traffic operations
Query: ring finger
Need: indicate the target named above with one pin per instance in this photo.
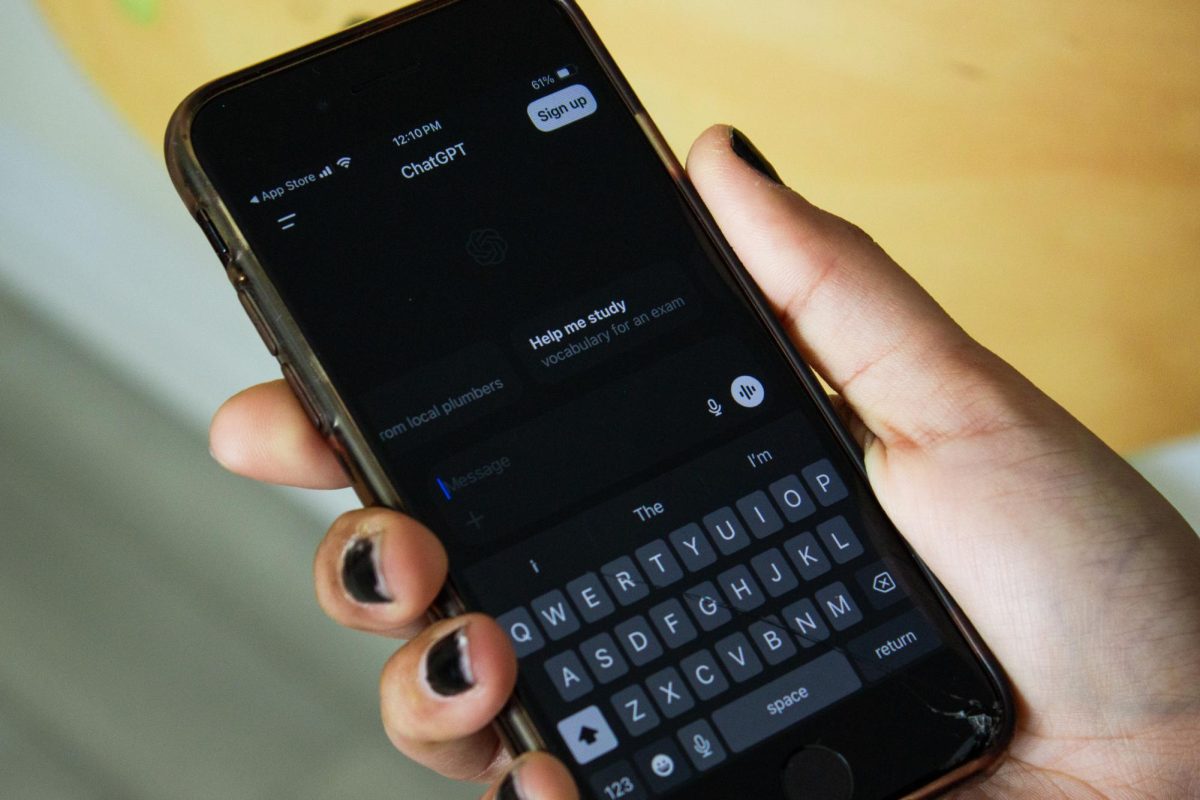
(440, 692)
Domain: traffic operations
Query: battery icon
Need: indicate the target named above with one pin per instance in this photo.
(566, 71)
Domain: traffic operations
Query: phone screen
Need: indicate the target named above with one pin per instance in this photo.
(556, 367)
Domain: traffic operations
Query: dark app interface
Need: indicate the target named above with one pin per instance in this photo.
(547, 355)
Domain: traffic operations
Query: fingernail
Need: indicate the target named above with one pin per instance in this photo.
(361, 576)
(508, 787)
(448, 664)
(744, 149)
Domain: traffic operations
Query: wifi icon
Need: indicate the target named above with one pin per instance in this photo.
(344, 162)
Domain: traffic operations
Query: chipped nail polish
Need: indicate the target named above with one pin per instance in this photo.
(744, 149)
(448, 665)
(361, 576)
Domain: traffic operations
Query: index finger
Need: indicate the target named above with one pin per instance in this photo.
(263, 433)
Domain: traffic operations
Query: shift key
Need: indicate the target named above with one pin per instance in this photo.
(785, 701)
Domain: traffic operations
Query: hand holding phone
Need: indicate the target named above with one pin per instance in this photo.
(769, 709)
(994, 557)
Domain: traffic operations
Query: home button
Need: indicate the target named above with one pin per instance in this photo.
(817, 773)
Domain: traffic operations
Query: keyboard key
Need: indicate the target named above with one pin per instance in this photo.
(785, 701)
(725, 529)
(789, 493)
(669, 693)
(879, 584)
(523, 631)
(568, 676)
(658, 563)
(587, 735)
(893, 644)
(635, 710)
(701, 745)
(693, 547)
(663, 765)
(738, 657)
(838, 605)
(807, 555)
(588, 595)
(624, 580)
(772, 640)
(639, 641)
(602, 657)
(618, 781)
(826, 486)
(774, 573)
(740, 587)
(555, 615)
(839, 539)
(707, 606)
(672, 623)
(759, 514)
(804, 621)
(704, 675)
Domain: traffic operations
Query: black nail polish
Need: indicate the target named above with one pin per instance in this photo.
(508, 789)
(360, 575)
(448, 666)
(744, 149)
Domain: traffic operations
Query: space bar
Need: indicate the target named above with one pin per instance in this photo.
(786, 700)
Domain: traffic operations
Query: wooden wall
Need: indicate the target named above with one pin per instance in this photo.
(1036, 165)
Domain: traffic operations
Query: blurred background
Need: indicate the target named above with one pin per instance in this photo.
(1036, 166)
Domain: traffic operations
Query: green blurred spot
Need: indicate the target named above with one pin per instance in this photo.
(142, 11)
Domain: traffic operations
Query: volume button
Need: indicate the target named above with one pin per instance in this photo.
(359, 483)
(310, 407)
(255, 315)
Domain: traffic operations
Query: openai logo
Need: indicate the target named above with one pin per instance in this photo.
(487, 247)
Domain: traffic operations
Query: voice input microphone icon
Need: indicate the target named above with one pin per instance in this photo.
(747, 391)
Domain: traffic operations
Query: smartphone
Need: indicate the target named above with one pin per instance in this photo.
(490, 284)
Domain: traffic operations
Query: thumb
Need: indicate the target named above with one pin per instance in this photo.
(910, 373)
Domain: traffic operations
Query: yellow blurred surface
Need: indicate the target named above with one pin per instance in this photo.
(1036, 165)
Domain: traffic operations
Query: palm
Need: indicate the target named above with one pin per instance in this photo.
(1036, 530)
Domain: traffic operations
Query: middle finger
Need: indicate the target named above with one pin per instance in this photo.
(378, 570)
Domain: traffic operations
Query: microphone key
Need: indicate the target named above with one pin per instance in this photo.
(701, 744)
